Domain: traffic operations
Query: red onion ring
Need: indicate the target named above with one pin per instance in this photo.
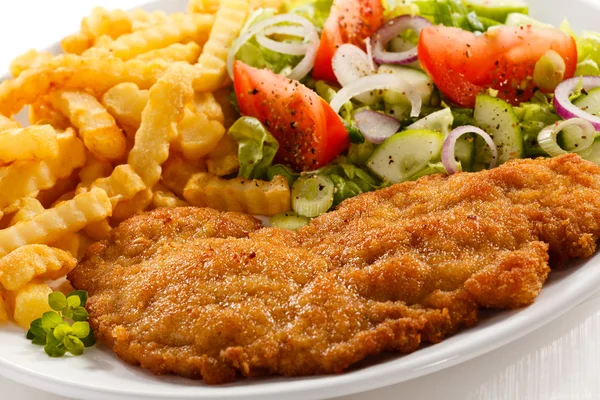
(566, 109)
(448, 157)
(390, 30)
(376, 127)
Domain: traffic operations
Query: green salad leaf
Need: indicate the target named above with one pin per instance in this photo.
(534, 116)
(256, 147)
(316, 11)
(453, 13)
(54, 330)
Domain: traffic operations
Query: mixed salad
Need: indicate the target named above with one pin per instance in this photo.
(347, 96)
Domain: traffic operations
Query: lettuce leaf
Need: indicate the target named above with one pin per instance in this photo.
(256, 147)
(534, 116)
(453, 13)
(316, 11)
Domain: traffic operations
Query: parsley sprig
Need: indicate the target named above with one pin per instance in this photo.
(66, 328)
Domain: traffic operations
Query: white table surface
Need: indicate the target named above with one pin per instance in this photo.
(560, 361)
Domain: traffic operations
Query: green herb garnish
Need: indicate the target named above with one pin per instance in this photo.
(66, 328)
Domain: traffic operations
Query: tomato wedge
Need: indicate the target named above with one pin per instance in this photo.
(462, 64)
(350, 21)
(309, 132)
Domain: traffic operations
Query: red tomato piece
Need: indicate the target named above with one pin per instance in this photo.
(309, 132)
(350, 21)
(462, 64)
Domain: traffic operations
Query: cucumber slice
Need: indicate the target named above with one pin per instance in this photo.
(497, 10)
(518, 19)
(439, 121)
(416, 79)
(497, 117)
(403, 155)
(464, 152)
(590, 103)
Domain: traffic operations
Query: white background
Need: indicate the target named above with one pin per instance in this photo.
(559, 361)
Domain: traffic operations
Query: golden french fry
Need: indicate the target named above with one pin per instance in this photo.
(42, 113)
(36, 142)
(206, 103)
(96, 126)
(230, 114)
(223, 160)
(3, 308)
(77, 43)
(69, 71)
(212, 64)
(165, 108)
(26, 178)
(49, 196)
(93, 169)
(188, 52)
(84, 243)
(128, 208)
(240, 194)
(142, 19)
(52, 224)
(123, 184)
(30, 59)
(28, 208)
(179, 28)
(163, 197)
(34, 261)
(64, 197)
(70, 243)
(98, 230)
(64, 287)
(30, 302)
(100, 22)
(7, 123)
(126, 102)
(276, 4)
(198, 135)
(177, 172)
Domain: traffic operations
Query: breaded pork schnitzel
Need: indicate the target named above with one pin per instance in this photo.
(211, 295)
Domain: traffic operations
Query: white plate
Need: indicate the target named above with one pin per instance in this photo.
(100, 375)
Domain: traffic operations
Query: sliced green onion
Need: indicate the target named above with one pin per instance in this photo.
(289, 220)
(312, 195)
(580, 135)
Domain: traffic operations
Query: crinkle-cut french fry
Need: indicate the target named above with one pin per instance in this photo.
(77, 43)
(206, 103)
(128, 208)
(198, 135)
(69, 243)
(112, 23)
(3, 308)
(64, 197)
(31, 59)
(162, 197)
(26, 178)
(30, 302)
(276, 4)
(223, 160)
(52, 224)
(84, 242)
(7, 123)
(34, 261)
(98, 230)
(142, 19)
(36, 142)
(126, 102)
(42, 113)
(96, 126)
(165, 108)
(28, 208)
(179, 28)
(188, 52)
(93, 169)
(123, 184)
(177, 172)
(68, 71)
(203, 6)
(212, 64)
(49, 196)
(240, 194)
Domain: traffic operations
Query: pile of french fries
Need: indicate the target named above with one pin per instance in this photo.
(133, 116)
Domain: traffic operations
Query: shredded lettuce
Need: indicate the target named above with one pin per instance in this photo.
(283, 170)
(453, 13)
(316, 11)
(534, 116)
(588, 50)
(256, 147)
(258, 56)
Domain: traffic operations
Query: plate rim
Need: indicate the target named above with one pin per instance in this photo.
(578, 285)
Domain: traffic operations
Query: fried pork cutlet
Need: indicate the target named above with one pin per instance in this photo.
(210, 295)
